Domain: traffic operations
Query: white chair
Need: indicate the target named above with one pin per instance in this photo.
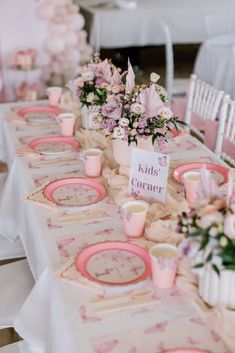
(215, 61)
(202, 108)
(225, 143)
(16, 282)
(173, 86)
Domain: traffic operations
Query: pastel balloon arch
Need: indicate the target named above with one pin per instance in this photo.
(66, 46)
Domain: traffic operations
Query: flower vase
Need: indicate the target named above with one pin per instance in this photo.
(87, 117)
(122, 152)
(217, 289)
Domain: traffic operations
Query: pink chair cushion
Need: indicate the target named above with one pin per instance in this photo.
(229, 148)
(208, 128)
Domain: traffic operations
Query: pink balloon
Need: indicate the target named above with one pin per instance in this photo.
(58, 28)
(73, 56)
(55, 45)
(46, 11)
(71, 39)
(77, 22)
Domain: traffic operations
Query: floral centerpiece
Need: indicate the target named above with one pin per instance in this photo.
(132, 111)
(209, 230)
(91, 86)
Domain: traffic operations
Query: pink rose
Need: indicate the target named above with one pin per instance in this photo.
(229, 226)
(79, 82)
(165, 112)
(210, 219)
(137, 108)
(112, 110)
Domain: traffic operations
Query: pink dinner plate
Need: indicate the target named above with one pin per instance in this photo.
(54, 145)
(74, 192)
(186, 351)
(219, 172)
(114, 263)
(39, 113)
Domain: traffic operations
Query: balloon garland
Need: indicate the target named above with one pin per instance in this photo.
(66, 46)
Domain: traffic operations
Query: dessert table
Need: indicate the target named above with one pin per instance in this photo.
(61, 314)
(119, 27)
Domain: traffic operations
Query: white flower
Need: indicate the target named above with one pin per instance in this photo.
(161, 91)
(133, 132)
(165, 112)
(90, 97)
(87, 75)
(118, 133)
(123, 122)
(137, 108)
(135, 125)
(111, 98)
(213, 232)
(154, 77)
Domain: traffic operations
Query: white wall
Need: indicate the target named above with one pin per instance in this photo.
(19, 26)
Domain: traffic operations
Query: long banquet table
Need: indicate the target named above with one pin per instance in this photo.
(119, 28)
(58, 316)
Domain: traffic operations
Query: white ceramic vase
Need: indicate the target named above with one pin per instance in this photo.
(87, 115)
(216, 290)
(122, 152)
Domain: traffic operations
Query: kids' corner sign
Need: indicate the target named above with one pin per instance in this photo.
(149, 174)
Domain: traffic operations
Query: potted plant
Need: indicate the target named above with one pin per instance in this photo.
(209, 230)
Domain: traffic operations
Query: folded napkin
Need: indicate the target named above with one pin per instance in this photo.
(162, 220)
(26, 151)
(14, 117)
(69, 273)
(37, 197)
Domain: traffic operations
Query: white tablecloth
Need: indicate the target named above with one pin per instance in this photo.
(215, 63)
(118, 28)
(58, 316)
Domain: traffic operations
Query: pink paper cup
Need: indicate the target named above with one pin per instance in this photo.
(93, 160)
(134, 215)
(66, 122)
(54, 95)
(191, 182)
(164, 264)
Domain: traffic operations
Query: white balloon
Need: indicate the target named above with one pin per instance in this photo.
(58, 28)
(55, 45)
(73, 56)
(77, 22)
(46, 11)
(71, 39)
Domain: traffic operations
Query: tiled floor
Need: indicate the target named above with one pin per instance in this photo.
(150, 59)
